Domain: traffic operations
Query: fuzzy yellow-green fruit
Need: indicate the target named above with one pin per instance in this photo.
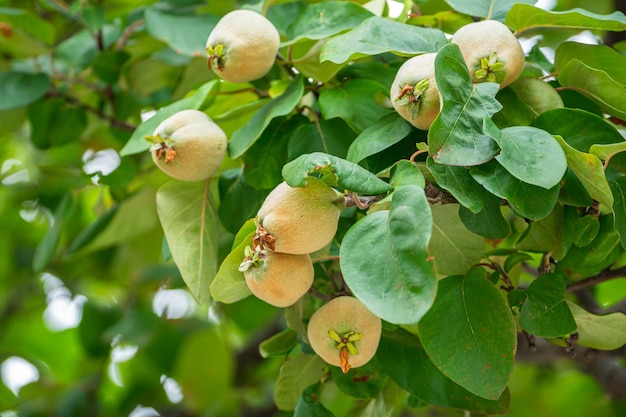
(188, 146)
(242, 46)
(492, 53)
(279, 279)
(414, 94)
(344, 333)
(300, 220)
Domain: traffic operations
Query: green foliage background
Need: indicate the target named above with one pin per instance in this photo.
(79, 82)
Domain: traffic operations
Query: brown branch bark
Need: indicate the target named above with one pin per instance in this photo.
(606, 275)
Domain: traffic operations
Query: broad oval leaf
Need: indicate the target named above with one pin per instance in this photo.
(279, 344)
(378, 35)
(190, 225)
(596, 84)
(385, 260)
(590, 171)
(529, 154)
(347, 175)
(606, 332)
(527, 200)
(459, 182)
(363, 382)
(618, 188)
(137, 142)
(20, 89)
(167, 27)
(387, 131)
(454, 248)
(456, 136)
(404, 359)
(309, 404)
(244, 137)
(354, 102)
(524, 16)
(600, 57)
(489, 221)
(325, 19)
(491, 9)
(295, 375)
(536, 95)
(229, 284)
(545, 312)
(469, 334)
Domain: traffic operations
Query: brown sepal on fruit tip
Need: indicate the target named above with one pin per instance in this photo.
(343, 360)
(262, 239)
(170, 154)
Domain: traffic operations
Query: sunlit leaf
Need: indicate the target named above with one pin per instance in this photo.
(244, 137)
(348, 175)
(406, 173)
(605, 332)
(387, 131)
(601, 57)
(295, 375)
(491, 9)
(524, 16)
(190, 225)
(537, 95)
(474, 349)
(400, 291)
(454, 248)
(456, 136)
(377, 35)
(618, 189)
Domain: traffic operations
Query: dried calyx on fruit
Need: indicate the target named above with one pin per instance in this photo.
(299, 220)
(188, 146)
(414, 94)
(344, 333)
(492, 53)
(242, 46)
(279, 279)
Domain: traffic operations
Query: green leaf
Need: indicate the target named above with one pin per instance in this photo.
(545, 235)
(581, 263)
(469, 334)
(295, 375)
(605, 152)
(618, 189)
(378, 35)
(108, 65)
(607, 332)
(590, 171)
(244, 137)
(55, 122)
(586, 228)
(190, 225)
(384, 258)
(456, 136)
(579, 128)
(529, 154)
(491, 9)
(309, 404)
(20, 89)
(323, 20)
(47, 247)
(600, 57)
(354, 102)
(538, 96)
(387, 131)
(332, 136)
(514, 111)
(204, 382)
(404, 172)
(363, 382)
(167, 27)
(515, 259)
(85, 237)
(197, 100)
(527, 200)
(488, 222)
(347, 175)
(30, 23)
(229, 284)
(545, 312)
(596, 84)
(404, 359)
(279, 344)
(524, 16)
(459, 182)
(454, 248)
(305, 57)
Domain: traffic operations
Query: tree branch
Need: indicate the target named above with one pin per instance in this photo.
(606, 275)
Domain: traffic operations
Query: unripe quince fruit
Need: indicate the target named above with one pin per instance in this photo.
(492, 53)
(344, 333)
(414, 92)
(242, 46)
(188, 146)
(299, 220)
(279, 279)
